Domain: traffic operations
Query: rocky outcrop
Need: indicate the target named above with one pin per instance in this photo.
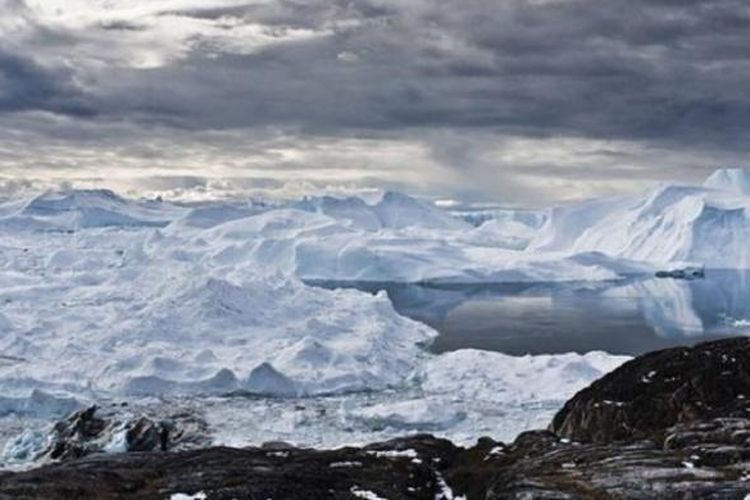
(84, 433)
(671, 424)
(116, 429)
(649, 394)
(395, 470)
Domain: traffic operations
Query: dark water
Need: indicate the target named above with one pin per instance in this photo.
(626, 317)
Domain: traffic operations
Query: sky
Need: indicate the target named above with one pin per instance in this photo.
(516, 102)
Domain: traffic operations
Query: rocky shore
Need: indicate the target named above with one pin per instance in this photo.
(669, 424)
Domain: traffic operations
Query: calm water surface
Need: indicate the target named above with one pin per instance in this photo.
(632, 316)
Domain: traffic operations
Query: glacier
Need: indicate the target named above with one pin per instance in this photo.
(106, 297)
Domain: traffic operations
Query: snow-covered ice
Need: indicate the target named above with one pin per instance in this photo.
(730, 179)
(670, 224)
(106, 297)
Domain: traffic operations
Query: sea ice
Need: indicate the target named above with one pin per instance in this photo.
(107, 297)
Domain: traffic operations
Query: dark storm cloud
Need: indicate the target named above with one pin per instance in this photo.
(642, 70)
(457, 77)
(120, 25)
(26, 86)
(656, 70)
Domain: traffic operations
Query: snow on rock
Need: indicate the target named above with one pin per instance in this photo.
(365, 494)
(186, 496)
(736, 180)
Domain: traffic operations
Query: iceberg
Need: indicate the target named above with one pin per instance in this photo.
(735, 180)
(161, 330)
(76, 209)
(670, 224)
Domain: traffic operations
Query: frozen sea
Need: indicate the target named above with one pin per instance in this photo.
(233, 312)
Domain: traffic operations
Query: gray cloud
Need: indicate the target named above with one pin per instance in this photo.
(25, 86)
(659, 75)
(653, 70)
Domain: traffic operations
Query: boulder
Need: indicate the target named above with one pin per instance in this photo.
(648, 395)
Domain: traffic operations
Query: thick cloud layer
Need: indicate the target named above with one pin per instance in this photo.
(524, 100)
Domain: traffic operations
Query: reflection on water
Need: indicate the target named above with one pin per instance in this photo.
(626, 317)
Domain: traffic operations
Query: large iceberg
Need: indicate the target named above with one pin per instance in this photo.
(670, 224)
(161, 327)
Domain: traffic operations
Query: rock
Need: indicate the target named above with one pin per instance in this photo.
(95, 430)
(75, 436)
(654, 392)
(536, 466)
(146, 435)
(385, 470)
(671, 424)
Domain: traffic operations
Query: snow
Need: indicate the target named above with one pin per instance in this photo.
(38, 404)
(392, 211)
(459, 395)
(446, 492)
(86, 209)
(186, 496)
(408, 453)
(365, 494)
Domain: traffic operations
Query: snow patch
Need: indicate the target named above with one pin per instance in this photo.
(365, 494)
(186, 496)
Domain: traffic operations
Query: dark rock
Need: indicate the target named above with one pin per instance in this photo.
(146, 435)
(256, 473)
(669, 425)
(73, 437)
(648, 395)
(91, 430)
(535, 467)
